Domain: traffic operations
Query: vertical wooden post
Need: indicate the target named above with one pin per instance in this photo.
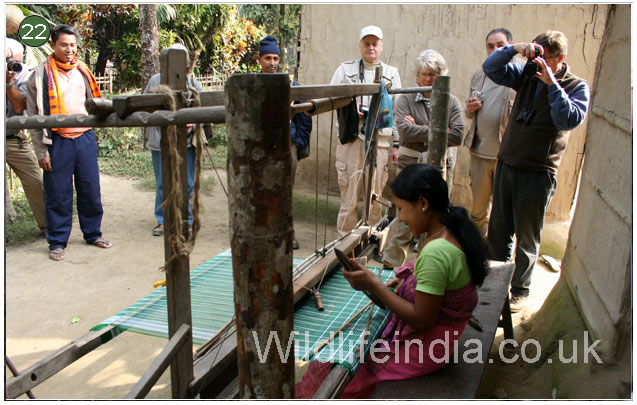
(260, 210)
(439, 124)
(173, 74)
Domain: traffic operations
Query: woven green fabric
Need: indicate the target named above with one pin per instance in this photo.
(341, 302)
(213, 307)
(211, 295)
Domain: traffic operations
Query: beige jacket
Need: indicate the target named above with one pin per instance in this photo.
(348, 72)
(477, 80)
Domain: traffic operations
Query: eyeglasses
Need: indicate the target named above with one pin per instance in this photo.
(430, 75)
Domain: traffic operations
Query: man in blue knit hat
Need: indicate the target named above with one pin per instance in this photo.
(269, 57)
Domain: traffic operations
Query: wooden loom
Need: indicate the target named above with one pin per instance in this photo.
(190, 379)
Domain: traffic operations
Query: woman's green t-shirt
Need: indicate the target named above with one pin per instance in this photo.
(441, 266)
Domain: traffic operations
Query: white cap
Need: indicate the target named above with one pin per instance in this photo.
(372, 30)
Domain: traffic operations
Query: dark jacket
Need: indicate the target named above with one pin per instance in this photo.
(300, 130)
(538, 145)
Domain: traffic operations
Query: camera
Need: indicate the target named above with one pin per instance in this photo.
(525, 115)
(530, 69)
(13, 66)
(365, 111)
(477, 94)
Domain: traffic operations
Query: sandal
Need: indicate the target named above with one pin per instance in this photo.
(56, 254)
(158, 230)
(102, 243)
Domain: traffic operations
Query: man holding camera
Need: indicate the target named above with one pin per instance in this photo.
(19, 155)
(551, 101)
(350, 157)
(488, 106)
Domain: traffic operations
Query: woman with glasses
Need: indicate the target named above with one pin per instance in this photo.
(412, 114)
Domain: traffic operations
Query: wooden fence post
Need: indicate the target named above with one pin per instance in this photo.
(439, 127)
(173, 74)
(260, 211)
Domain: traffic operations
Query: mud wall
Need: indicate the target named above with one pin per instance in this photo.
(598, 258)
(329, 36)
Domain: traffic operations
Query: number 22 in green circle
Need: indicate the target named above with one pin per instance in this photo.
(34, 31)
(31, 28)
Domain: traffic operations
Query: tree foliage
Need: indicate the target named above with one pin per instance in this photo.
(221, 38)
(281, 21)
(234, 49)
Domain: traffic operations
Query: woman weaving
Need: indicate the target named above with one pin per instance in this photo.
(435, 297)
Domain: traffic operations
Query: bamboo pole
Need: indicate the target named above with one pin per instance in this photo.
(439, 124)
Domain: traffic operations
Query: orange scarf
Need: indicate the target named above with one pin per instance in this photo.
(56, 98)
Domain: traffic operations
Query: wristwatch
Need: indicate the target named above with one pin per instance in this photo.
(9, 85)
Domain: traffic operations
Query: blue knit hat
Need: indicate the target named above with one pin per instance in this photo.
(269, 44)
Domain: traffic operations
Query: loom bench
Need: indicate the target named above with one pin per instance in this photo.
(460, 380)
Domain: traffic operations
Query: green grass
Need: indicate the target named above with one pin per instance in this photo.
(146, 184)
(24, 229)
(135, 165)
(304, 206)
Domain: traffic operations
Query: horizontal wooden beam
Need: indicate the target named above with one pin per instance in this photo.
(333, 384)
(99, 106)
(313, 275)
(410, 90)
(126, 105)
(159, 365)
(49, 366)
(320, 105)
(212, 364)
(194, 115)
(298, 93)
(212, 98)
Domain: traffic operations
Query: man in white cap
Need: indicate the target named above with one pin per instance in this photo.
(350, 156)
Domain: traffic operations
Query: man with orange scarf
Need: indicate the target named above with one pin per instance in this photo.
(60, 86)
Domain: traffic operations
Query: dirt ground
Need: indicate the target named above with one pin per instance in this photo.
(48, 304)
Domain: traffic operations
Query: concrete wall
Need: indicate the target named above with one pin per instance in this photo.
(598, 259)
(329, 36)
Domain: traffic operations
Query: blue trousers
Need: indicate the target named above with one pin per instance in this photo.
(72, 160)
(159, 193)
(520, 199)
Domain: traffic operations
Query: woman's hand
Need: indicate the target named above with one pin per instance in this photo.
(394, 282)
(361, 278)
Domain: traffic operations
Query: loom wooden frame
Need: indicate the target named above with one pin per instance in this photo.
(147, 110)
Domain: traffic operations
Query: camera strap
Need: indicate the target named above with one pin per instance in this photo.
(361, 75)
(530, 96)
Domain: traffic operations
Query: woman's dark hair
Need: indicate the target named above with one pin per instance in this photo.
(62, 29)
(425, 181)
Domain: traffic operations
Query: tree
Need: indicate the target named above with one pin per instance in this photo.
(281, 21)
(197, 24)
(149, 28)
